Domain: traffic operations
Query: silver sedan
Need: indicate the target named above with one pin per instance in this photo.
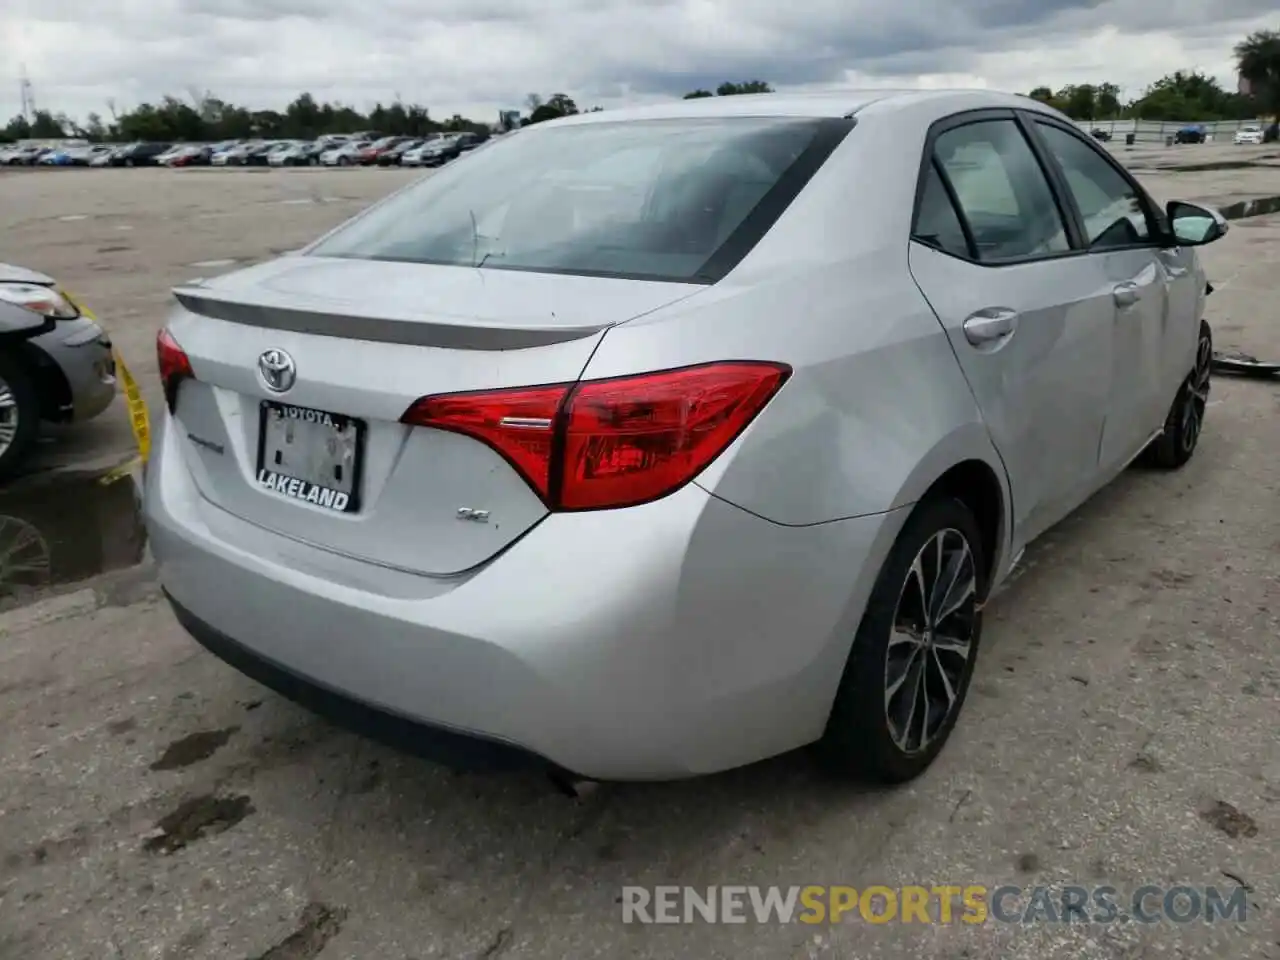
(55, 364)
(653, 442)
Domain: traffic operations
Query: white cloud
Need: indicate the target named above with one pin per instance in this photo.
(476, 56)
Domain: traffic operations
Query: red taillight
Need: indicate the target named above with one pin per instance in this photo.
(611, 443)
(519, 424)
(174, 364)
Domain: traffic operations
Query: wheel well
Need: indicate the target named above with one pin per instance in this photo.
(974, 484)
(49, 381)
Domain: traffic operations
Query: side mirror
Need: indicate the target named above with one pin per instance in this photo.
(1194, 225)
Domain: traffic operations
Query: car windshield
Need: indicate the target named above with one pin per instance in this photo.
(656, 200)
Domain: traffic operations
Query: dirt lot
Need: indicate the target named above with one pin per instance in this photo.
(155, 804)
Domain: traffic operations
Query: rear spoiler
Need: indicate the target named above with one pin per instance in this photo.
(416, 331)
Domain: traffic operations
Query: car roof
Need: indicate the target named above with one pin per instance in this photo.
(841, 103)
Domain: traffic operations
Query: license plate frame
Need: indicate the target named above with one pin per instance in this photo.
(302, 489)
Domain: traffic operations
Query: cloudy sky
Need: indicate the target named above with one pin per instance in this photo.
(476, 56)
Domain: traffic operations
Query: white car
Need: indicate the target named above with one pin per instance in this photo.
(235, 155)
(163, 159)
(1251, 134)
(287, 153)
(429, 154)
(414, 157)
(345, 155)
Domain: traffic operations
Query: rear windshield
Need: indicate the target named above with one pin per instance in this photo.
(678, 200)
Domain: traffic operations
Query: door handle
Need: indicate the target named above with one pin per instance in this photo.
(989, 325)
(1126, 294)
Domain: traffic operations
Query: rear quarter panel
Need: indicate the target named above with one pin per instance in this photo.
(876, 408)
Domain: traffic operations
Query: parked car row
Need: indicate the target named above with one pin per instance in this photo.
(429, 151)
(334, 150)
(139, 154)
(75, 155)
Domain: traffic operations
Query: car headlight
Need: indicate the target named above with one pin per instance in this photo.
(45, 301)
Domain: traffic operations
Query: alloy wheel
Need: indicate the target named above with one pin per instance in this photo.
(1197, 396)
(932, 640)
(9, 414)
(24, 556)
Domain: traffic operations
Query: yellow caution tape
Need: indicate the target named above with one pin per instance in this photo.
(138, 418)
(139, 421)
(119, 473)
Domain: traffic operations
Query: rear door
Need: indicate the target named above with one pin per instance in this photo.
(1028, 317)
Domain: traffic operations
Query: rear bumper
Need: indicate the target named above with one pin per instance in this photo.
(677, 638)
(431, 742)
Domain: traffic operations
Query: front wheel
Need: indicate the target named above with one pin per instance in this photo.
(19, 414)
(913, 656)
(1185, 420)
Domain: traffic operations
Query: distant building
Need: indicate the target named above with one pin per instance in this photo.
(508, 120)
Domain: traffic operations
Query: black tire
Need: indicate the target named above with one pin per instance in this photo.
(860, 740)
(27, 406)
(1185, 420)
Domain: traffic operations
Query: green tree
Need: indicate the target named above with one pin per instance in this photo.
(94, 128)
(44, 126)
(543, 113)
(728, 89)
(698, 94)
(1107, 101)
(1188, 96)
(1258, 60)
(17, 129)
(302, 117)
(562, 104)
(1078, 101)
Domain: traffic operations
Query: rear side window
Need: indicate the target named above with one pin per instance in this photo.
(937, 222)
(1002, 191)
(1112, 211)
(676, 200)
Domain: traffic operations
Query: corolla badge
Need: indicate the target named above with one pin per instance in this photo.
(277, 370)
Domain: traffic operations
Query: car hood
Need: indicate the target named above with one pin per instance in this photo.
(12, 274)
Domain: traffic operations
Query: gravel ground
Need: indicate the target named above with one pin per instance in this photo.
(155, 804)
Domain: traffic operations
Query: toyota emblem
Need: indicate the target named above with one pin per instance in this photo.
(277, 370)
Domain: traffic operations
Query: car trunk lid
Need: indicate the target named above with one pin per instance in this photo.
(325, 460)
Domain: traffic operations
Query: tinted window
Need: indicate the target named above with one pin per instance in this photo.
(644, 199)
(1002, 191)
(1113, 213)
(937, 222)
